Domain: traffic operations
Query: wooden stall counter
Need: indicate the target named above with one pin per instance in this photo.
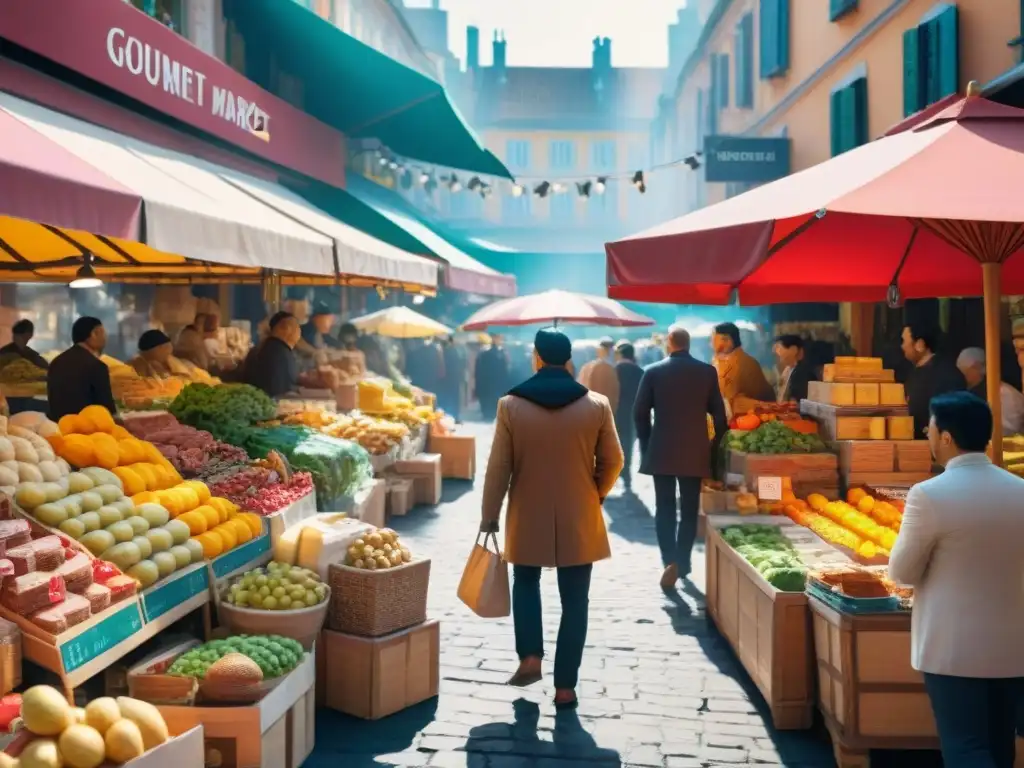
(870, 696)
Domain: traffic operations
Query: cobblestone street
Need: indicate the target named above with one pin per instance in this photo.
(659, 686)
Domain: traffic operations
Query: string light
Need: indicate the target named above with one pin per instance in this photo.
(542, 189)
(601, 184)
(453, 184)
(638, 182)
(583, 188)
(517, 190)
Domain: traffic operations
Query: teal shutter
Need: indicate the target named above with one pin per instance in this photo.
(839, 8)
(928, 39)
(834, 120)
(913, 72)
(723, 80)
(700, 120)
(782, 62)
(767, 23)
(946, 39)
(859, 87)
(744, 40)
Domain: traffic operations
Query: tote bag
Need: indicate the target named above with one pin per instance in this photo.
(484, 584)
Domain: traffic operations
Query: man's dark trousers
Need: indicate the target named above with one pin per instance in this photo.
(627, 438)
(676, 525)
(976, 718)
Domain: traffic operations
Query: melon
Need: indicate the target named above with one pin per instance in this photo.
(126, 505)
(145, 547)
(179, 531)
(148, 719)
(52, 515)
(165, 563)
(73, 527)
(101, 476)
(98, 542)
(234, 670)
(30, 495)
(139, 524)
(102, 713)
(82, 747)
(155, 514)
(44, 711)
(91, 501)
(41, 753)
(182, 555)
(110, 493)
(91, 521)
(124, 742)
(146, 572)
(79, 482)
(121, 531)
(160, 539)
(195, 549)
(54, 490)
(108, 515)
(49, 470)
(123, 555)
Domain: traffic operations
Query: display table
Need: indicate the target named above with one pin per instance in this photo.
(869, 694)
(768, 629)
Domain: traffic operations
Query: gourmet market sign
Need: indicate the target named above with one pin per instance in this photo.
(118, 46)
(750, 160)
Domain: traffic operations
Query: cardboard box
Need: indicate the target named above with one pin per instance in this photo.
(268, 734)
(370, 504)
(372, 678)
(458, 455)
(425, 470)
(182, 749)
(400, 493)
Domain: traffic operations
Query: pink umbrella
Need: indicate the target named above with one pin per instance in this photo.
(555, 307)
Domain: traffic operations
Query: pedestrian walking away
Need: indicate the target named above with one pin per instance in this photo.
(491, 377)
(680, 391)
(599, 375)
(629, 374)
(556, 456)
(966, 633)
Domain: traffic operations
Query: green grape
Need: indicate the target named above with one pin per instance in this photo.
(269, 602)
(311, 599)
(264, 590)
(279, 592)
(255, 600)
(273, 583)
(284, 602)
(241, 596)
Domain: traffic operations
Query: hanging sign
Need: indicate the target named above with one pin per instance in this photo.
(741, 159)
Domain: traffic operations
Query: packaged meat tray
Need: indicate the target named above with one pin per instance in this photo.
(32, 592)
(121, 587)
(74, 609)
(77, 573)
(45, 554)
(14, 533)
(98, 597)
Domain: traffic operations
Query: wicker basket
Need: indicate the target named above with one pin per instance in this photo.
(375, 603)
(301, 624)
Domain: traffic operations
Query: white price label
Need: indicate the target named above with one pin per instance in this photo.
(769, 488)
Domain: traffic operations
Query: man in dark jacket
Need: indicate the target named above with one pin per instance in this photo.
(21, 334)
(796, 373)
(932, 374)
(676, 450)
(77, 377)
(271, 366)
(629, 374)
(491, 376)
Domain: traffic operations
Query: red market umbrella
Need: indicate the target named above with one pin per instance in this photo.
(555, 307)
(910, 215)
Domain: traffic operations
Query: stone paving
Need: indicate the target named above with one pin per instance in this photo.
(659, 686)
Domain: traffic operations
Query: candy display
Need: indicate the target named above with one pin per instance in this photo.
(277, 587)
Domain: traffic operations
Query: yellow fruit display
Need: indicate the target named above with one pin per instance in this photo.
(82, 747)
(148, 719)
(213, 544)
(124, 741)
(201, 489)
(44, 711)
(130, 479)
(227, 534)
(99, 417)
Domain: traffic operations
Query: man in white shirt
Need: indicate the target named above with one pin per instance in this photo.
(972, 365)
(959, 547)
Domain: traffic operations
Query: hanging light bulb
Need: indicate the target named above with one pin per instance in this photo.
(474, 184)
(584, 188)
(86, 276)
(453, 184)
(601, 184)
(383, 161)
(485, 191)
(418, 299)
(542, 189)
(393, 165)
(517, 191)
(424, 178)
(557, 188)
(638, 182)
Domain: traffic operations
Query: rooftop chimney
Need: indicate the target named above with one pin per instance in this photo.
(472, 48)
(499, 54)
(602, 61)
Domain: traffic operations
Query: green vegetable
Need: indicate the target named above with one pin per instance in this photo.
(275, 655)
(774, 437)
(773, 555)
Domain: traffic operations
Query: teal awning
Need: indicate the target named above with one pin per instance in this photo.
(388, 217)
(357, 89)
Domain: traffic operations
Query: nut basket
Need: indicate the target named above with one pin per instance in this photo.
(375, 603)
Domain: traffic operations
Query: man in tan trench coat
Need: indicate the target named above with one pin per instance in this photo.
(556, 456)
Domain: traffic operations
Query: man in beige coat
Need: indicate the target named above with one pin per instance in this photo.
(556, 456)
(600, 376)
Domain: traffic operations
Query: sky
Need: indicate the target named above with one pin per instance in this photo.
(560, 33)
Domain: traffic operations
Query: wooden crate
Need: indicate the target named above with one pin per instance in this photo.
(850, 422)
(892, 393)
(805, 467)
(853, 373)
(869, 695)
(913, 456)
(769, 630)
(900, 427)
(830, 393)
(886, 479)
(866, 456)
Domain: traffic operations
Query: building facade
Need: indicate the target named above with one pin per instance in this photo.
(776, 86)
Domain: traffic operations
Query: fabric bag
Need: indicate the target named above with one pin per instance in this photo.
(484, 584)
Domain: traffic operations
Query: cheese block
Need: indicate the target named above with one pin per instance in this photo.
(891, 393)
(860, 428)
(865, 394)
(325, 539)
(836, 372)
(868, 363)
(830, 394)
(900, 427)
(286, 548)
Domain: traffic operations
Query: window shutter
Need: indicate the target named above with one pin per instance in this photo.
(847, 118)
(782, 30)
(714, 89)
(859, 89)
(744, 45)
(913, 72)
(839, 8)
(766, 37)
(947, 41)
(723, 80)
(700, 119)
(834, 121)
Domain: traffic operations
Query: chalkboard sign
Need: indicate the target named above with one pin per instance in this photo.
(99, 639)
(164, 596)
(238, 557)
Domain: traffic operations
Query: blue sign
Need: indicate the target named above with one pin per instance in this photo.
(99, 639)
(741, 159)
(174, 591)
(231, 561)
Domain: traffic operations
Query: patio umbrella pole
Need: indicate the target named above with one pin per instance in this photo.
(991, 273)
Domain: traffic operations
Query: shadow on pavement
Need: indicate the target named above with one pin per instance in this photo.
(568, 740)
(355, 743)
(630, 518)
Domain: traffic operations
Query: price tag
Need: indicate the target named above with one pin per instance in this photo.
(769, 488)
(166, 595)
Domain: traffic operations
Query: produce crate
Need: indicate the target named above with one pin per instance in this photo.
(913, 456)
(769, 630)
(805, 467)
(850, 422)
(870, 696)
(886, 479)
(375, 603)
(866, 456)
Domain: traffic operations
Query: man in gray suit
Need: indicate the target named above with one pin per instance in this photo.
(681, 391)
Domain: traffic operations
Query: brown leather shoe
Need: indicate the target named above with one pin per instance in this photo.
(670, 576)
